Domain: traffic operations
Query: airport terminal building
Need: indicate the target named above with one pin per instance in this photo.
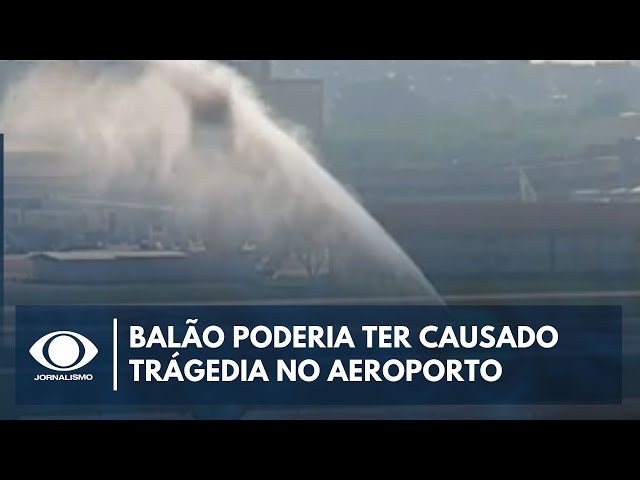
(494, 239)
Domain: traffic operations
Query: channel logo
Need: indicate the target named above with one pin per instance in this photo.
(63, 351)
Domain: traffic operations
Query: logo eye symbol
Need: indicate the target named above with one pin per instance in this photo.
(63, 351)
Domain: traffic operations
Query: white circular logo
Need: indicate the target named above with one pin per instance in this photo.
(63, 351)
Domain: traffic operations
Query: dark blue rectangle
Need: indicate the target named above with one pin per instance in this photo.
(2, 222)
(583, 367)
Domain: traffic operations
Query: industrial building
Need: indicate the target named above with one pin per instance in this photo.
(502, 239)
(299, 101)
(598, 173)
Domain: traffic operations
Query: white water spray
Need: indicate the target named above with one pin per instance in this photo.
(197, 134)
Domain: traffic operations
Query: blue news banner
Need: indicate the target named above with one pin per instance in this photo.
(318, 355)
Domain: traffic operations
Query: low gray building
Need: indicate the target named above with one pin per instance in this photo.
(99, 267)
(503, 239)
(300, 101)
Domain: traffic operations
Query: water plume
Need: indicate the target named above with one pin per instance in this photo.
(197, 135)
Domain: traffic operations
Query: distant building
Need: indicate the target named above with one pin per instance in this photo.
(12, 217)
(441, 184)
(102, 267)
(298, 100)
(494, 239)
(51, 227)
(256, 70)
(72, 221)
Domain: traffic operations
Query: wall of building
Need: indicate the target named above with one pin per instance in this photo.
(300, 101)
(511, 238)
(133, 224)
(256, 70)
(474, 253)
(69, 221)
(297, 101)
(544, 253)
(12, 217)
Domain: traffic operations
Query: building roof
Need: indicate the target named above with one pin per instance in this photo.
(107, 255)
